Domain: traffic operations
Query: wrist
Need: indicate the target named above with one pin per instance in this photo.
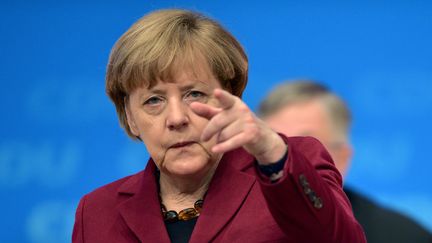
(273, 155)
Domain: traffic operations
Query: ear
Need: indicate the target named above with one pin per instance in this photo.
(131, 121)
(343, 158)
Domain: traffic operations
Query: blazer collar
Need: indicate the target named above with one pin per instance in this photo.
(227, 191)
(142, 212)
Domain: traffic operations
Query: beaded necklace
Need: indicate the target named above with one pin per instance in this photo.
(185, 214)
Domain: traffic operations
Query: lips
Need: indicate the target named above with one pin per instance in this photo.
(182, 144)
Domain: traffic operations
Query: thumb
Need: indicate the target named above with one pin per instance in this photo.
(204, 110)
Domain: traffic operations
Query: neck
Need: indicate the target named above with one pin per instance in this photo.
(178, 193)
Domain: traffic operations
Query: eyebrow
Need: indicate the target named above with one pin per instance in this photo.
(188, 86)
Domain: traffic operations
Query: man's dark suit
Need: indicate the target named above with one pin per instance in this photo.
(384, 225)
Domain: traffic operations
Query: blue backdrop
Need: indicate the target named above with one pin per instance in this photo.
(59, 134)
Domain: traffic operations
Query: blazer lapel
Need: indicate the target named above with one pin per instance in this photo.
(226, 193)
(141, 211)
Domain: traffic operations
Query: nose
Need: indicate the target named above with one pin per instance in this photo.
(177, 117)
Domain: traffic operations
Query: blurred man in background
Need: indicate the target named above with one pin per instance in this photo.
(306, 108)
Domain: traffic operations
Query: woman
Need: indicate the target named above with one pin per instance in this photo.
(216, 173)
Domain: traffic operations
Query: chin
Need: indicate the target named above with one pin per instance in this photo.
(190, 161)
(188, 166)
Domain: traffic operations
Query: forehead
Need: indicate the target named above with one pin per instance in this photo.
(198, 74)
(191, 69)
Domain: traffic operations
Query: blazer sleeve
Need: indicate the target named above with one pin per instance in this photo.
(308, 201)
(78, 229)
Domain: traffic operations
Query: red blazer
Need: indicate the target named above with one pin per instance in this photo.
(306, 205)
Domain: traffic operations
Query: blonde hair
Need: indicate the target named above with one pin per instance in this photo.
(297, 91)
(163, 42)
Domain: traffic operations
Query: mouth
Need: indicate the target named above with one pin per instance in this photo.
(182, 144)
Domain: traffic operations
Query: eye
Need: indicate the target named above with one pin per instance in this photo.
(195, 95)
(152, 101)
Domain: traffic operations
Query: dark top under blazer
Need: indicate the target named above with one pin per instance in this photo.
(241, 205)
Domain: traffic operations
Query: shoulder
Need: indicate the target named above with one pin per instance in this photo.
(96, 208)
(310, 150)
(309, 146)
(114, 186)
(109, 194)
(382, 223)
(301, 141)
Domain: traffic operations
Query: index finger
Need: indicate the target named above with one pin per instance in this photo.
(226, 99)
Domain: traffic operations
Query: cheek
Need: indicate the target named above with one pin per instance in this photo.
(212, 157)
(152, 138)
(150, 132)
(197, 125)
(147, 124)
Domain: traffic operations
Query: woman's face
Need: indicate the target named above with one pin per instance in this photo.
(171, 131)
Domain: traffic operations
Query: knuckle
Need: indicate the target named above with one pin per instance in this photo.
(243, 108)
(249, 119)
